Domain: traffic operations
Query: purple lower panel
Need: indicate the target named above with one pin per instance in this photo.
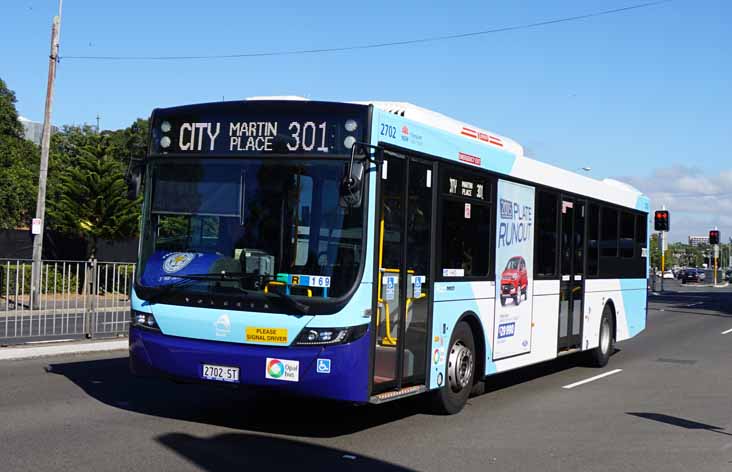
(155, 353)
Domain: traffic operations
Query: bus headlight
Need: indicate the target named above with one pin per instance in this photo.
(329, 336)
(141, 319)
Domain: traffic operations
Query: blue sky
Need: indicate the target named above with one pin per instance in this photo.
(643, 95)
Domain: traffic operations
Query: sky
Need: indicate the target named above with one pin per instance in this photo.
(643, 95)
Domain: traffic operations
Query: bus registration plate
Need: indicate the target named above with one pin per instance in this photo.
(220, 373)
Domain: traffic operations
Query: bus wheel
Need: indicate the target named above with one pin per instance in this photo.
(451, 398)
(599, 356)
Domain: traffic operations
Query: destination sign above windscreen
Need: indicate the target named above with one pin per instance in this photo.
(246, 132)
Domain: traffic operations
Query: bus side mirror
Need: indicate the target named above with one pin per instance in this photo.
(133, 178)
(353, 181)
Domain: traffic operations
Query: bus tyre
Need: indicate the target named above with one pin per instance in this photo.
(599, 356)
(460, 372)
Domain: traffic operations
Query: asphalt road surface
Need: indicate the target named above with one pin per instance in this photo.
(668, 409)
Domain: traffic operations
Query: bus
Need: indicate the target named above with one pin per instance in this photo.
(370, 251)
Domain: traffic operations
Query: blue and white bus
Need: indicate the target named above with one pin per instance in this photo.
(369, 251)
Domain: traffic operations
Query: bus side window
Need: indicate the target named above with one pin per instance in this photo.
(546, 234)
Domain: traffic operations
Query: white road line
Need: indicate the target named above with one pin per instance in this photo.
(727, 332)
(592, 379)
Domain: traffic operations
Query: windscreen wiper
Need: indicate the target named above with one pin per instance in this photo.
(291, 302)
(167, 289)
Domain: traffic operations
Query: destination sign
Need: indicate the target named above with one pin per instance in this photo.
(255, 130)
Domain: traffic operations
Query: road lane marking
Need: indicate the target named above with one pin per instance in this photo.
(727, 332)
(592, 379)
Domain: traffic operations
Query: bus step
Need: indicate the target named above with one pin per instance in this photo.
(397, 394)
(571, 350)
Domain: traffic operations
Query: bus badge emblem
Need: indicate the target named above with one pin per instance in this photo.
(223, 326)
(177, 261)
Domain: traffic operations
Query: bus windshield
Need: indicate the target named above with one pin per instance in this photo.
(262, 225)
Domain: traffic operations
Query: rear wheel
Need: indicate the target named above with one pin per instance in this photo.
(451, 398)
(600, 356)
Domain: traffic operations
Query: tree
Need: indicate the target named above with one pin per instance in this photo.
(18, 166)
(129, 143)
(19, 160)
(92, 201)
(9, 124)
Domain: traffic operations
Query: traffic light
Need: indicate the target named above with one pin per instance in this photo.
(714, 237)
(661, 221)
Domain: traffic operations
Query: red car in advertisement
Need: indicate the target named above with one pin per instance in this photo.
(514, 281)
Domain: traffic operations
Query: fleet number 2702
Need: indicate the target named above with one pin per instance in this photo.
(388, 130)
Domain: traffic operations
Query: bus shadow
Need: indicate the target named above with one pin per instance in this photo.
(544, 369)
(110, 382)
(234, 451)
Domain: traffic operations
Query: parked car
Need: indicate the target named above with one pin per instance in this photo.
(668, 274)
(514, 281)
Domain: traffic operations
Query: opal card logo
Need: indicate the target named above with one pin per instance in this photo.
(506, 330)
(282, 369)
(405, 133)
(177, 261)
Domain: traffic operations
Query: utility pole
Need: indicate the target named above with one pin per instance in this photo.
(45, 144)
(97, 123)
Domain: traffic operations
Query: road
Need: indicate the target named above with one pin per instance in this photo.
(669, 408)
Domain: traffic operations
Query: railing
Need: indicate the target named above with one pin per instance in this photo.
(73, 299)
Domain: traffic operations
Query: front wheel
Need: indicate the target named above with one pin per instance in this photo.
(600, 356)
(451, 398)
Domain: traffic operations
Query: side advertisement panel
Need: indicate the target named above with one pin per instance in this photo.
(514, 269)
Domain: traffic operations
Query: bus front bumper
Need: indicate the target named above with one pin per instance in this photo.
(346, 378)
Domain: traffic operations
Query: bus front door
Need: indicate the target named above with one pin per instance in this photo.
(572, 263)
(404, 281)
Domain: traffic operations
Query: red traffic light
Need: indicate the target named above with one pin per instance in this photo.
(661, 220)
(714, 236)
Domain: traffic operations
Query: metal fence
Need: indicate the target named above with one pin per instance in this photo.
(74, 299)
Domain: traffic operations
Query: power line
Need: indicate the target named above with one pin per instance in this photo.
(375, 45)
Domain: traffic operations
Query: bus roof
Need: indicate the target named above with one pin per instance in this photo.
(524, 167)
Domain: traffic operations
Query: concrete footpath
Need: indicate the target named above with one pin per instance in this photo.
(29, 351)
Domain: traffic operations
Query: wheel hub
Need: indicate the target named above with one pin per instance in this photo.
(459, 366)
(605, 336)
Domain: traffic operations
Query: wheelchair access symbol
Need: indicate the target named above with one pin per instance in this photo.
(323, 366)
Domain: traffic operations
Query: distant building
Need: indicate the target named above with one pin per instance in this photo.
(698, 240)
(33, 131)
